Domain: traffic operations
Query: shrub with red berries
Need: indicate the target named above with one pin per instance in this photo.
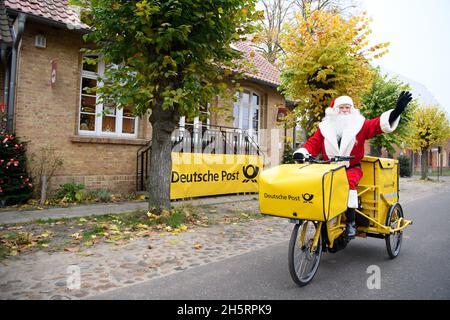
(15, 184)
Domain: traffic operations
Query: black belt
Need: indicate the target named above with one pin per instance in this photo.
(355, 166)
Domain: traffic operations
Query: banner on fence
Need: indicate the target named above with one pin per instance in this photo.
(197, 174)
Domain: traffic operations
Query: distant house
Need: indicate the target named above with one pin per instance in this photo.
(42, 77)
(435, 159)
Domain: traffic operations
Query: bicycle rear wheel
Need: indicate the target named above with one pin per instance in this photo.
(303, 263)
(394, 241)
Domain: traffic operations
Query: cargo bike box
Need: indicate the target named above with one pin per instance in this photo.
(315, 192)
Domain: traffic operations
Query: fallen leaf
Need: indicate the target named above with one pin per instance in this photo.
(86, 254)
(143, 226)
(212, 211)
(44, 245)
(76, 235)
(73, 250)
(39, 208)
(82, 220)
(13, 253)
(173, 242)
(121, 242)
(89, 243)
(183, 227)
(197, 246)
(46, 234)
(113, 227)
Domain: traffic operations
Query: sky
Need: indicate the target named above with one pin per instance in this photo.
(419, 33)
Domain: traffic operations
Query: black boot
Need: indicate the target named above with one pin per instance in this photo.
(351, 229)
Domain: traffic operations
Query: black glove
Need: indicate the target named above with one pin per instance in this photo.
(299, 157)
(403, 100)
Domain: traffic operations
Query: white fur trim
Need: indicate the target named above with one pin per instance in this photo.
(343, 100)
(330, 111)
(353, 199)
(303, 151)
(384, 122)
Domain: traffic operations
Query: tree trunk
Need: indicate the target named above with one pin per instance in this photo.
(424, 164)
(163, 124)
(375, 151)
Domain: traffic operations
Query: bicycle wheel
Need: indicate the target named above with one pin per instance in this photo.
(394, 240)
(303, 263)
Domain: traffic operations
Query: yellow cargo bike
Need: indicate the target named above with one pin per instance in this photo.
(314, 195)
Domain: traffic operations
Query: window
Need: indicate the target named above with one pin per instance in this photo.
(199, 121)
(246, 112)
(98, 119)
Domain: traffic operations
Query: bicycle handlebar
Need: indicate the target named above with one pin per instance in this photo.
(331, 160)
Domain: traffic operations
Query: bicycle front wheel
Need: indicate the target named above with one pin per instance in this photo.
(303, 262)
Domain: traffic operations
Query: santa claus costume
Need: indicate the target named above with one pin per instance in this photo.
(344, 135)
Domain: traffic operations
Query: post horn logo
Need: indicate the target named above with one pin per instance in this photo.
(248, 173)
(308, 197)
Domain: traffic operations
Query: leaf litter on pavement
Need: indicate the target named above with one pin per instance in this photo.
(76, 235)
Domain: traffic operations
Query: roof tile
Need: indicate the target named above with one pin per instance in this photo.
(56, 10)
(5, 31)
(263, 70)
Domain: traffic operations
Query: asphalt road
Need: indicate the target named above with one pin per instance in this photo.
(422, 270)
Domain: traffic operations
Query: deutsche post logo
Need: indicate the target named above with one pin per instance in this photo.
(250, 173)
(308, 197)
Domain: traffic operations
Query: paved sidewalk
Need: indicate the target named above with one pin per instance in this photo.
(105, 267)
(7, 217)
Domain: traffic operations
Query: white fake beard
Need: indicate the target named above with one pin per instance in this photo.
(340, 122)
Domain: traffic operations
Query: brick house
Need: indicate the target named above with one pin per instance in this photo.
(42, 76)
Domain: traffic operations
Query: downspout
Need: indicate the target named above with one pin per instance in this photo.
(5, 60)
(4, 57)
(13, 74)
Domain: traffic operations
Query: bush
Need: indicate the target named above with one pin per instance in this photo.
(70, 192)
(405, 166)
(99, 195)
(288, 154)
(15, 184)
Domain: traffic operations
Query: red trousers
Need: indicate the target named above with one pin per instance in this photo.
(354, 175)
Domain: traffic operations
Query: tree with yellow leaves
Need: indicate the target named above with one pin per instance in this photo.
(326, 56)
(429, 127)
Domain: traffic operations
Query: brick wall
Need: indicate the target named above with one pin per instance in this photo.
(48, 116)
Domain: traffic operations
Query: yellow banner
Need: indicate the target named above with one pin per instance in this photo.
(196, 174)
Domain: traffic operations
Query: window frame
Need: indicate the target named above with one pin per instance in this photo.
(251, 109)
(98, 129)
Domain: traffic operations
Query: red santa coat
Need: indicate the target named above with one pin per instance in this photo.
(352, 143)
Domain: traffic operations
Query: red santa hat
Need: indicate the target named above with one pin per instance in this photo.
(334, 105)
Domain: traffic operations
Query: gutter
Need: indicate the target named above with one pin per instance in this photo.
(264, 82)
(13, 74)
(49, 22)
